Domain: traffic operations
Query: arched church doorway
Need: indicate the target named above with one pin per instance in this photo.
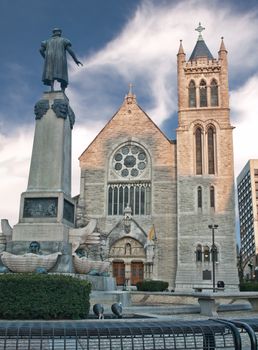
(136, 272)
(119, 272)
(128, 258)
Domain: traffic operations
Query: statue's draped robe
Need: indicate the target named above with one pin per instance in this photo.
(55, 67)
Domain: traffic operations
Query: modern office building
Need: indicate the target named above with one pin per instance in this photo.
(247, 188)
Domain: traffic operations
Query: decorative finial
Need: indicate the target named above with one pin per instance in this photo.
(130, 97)
(199, 29)
(130, 92)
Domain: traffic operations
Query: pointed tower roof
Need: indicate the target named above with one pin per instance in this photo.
(181, 49)
(222, 45)
(200, 49)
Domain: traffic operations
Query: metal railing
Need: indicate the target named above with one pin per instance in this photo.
(129, 334)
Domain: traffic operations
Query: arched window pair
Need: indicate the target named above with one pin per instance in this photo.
(204, 253)
(200, 197)
(214, 94)
(210, 150)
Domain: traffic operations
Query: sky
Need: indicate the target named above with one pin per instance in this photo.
(119, 42)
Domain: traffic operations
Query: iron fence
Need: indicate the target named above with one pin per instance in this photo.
(129, 335)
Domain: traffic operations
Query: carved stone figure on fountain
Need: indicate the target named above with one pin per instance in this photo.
(31, 261)
(34, 248)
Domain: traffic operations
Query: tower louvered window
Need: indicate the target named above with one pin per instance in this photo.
(192, 94)
(214, 93)
(203, 94)
(198, 150)
(211, 150)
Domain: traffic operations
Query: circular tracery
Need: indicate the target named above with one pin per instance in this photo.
(130, 160)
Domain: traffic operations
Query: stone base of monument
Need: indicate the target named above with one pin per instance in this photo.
(44, 216)
(42, 232)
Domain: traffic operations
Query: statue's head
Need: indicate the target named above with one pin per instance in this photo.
(34, 247)
(56, 32)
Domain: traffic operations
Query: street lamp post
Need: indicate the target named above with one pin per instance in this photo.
(213, 228)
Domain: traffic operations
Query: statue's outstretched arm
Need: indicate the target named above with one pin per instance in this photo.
(42, 51)
(73, 56)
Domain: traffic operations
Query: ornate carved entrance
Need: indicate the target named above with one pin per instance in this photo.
(128, 256)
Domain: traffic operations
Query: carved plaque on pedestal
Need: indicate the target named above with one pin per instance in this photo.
(40, 207)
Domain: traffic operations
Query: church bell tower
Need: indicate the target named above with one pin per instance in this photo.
(205, 171)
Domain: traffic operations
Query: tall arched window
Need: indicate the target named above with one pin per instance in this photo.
(198, 253)
(198, 150)
(192, 94)
(199, 197)
(214, 93)
(211, 150)
(212, 197)
(203, 94)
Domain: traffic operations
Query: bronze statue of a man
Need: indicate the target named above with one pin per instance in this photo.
(53, 51)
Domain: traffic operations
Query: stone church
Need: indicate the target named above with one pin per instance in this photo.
(155, 198)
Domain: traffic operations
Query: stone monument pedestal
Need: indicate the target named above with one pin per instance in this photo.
(47, 211)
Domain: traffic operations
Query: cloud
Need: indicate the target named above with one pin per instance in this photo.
(244, 106)
(15, 154)
(15, 151)
(143, 53)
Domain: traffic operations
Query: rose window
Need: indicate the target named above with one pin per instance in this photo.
(130, 161)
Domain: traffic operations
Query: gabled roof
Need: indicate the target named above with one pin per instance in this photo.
(129, 101)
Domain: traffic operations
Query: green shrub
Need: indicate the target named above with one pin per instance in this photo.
(248, 286)
(152, 286)
(39, 296)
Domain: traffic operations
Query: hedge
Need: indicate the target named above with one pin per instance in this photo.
(39, 296)
(248, 287)
(152, 286)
